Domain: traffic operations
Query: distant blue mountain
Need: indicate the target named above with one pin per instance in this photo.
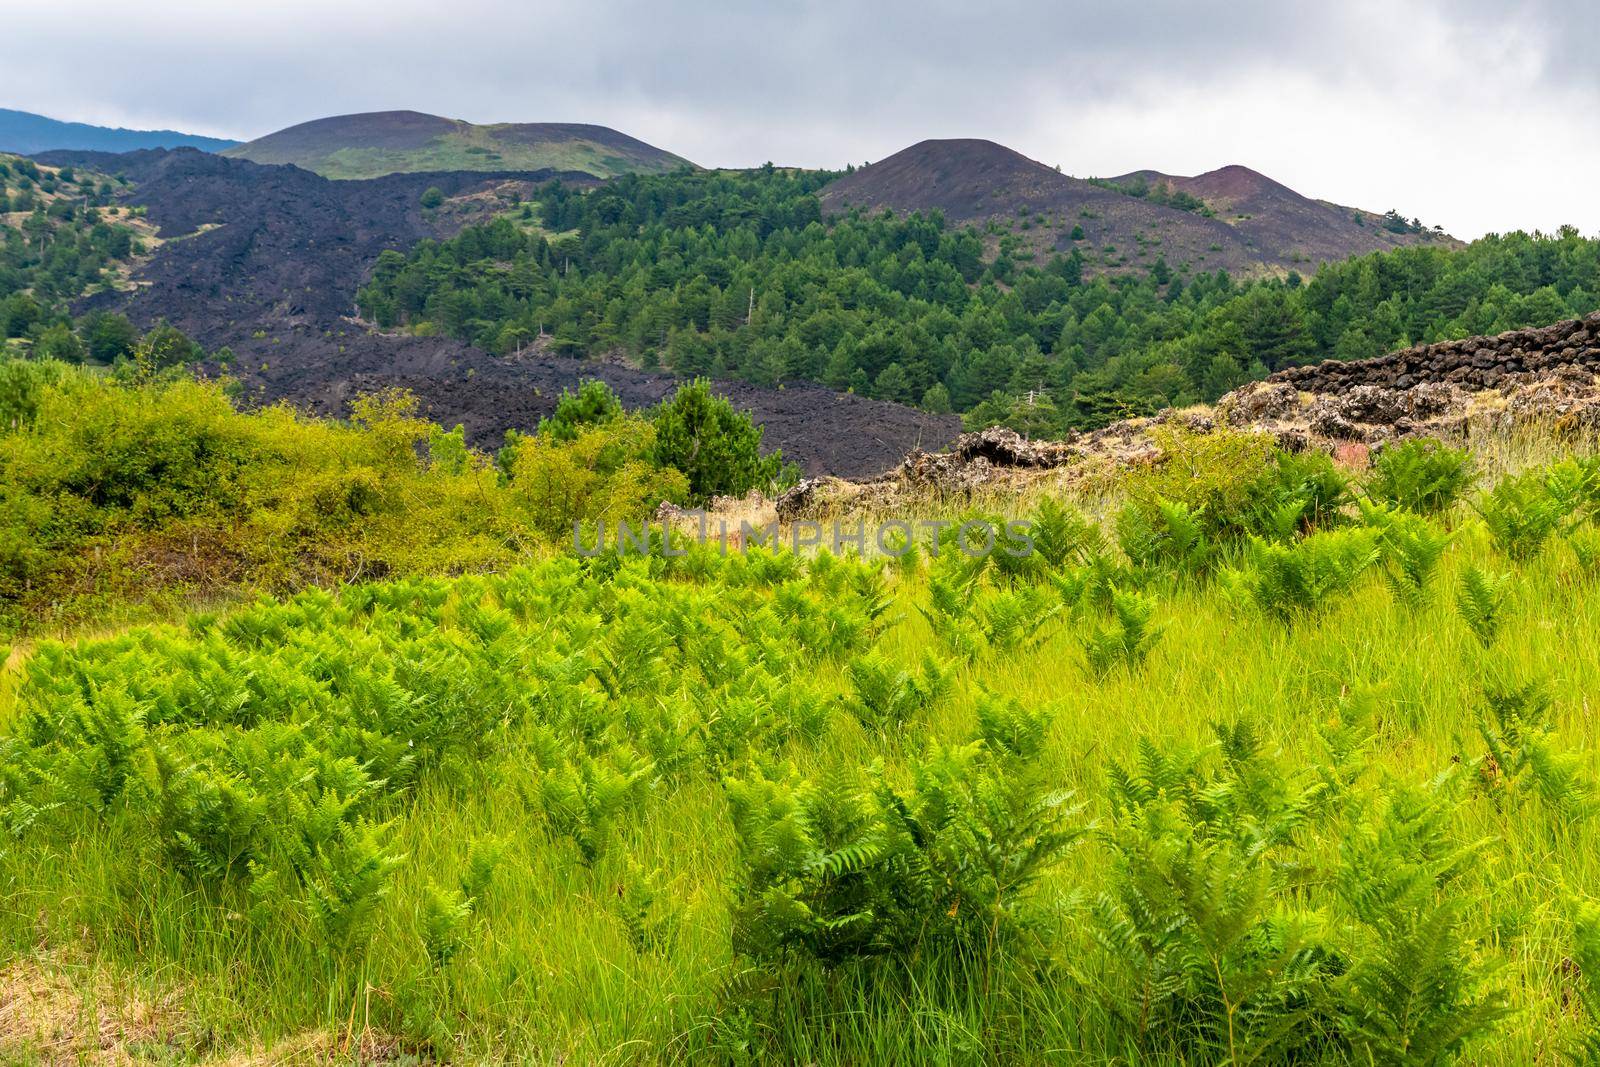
(25, 133)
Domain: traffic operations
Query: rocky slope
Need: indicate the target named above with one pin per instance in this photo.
(1546, 380)
(266, 260)
(1256, 225)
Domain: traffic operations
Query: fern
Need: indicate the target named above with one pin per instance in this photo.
(1417, 988)
(1585, 544)
(1522, 756)
(1061, 533)
(1205, 960)
(446, 914)
(483, 857)
(840, 872)
(1168, 536)
(1289, 581)
(1012, 619)
(1585, 970)
(1574, 485)
(1521, 513)
(640, 905)
(888, 697)
(1127, 640)
(348, 878)
(1482, 599)
(1421, 476)
(1409, 548)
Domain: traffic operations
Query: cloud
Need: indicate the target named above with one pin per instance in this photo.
(1464, 112)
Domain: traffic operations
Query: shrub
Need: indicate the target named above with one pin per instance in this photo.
(607, 471)
(593, 404)
(1216, 475)
(1422, 475)
(168, 470)
(717, 449)
(1521, 513)
(1301, 578)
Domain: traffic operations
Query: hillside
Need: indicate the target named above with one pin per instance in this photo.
(1237, 220)
(395, 142)
(26, 133)
(1256, 206)
(270, 261)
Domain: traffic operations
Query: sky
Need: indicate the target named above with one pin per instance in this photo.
(1475, 115)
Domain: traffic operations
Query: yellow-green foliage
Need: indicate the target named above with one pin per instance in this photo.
(1215, 472)
(1300, 807)
(110, 492)
(604, 471)
(114, 493)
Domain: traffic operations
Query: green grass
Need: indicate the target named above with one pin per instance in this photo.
(477, 148)
(549, 969)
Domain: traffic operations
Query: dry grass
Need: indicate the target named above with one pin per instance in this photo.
(53, 1014)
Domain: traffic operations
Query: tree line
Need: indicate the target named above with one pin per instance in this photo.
(738, 275)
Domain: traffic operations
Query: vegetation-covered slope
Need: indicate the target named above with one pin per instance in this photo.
(394, 142)
(738, 275)
(1253, 773)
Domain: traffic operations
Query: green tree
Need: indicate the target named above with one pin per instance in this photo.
(592, 405)
(717, 448)
(109, 337)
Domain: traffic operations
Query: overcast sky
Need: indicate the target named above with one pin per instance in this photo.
(1473, 114)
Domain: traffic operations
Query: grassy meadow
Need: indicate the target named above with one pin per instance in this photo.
(1253, 760)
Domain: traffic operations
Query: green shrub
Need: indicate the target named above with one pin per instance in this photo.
(593, 404)
(1215, 475)
(717, 449)
(606, 471)
(1521, 513)
(1422, 475)
(1301, 578)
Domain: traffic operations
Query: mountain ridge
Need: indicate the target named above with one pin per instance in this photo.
(1232, 218)
(377, 143)
(27, 133)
